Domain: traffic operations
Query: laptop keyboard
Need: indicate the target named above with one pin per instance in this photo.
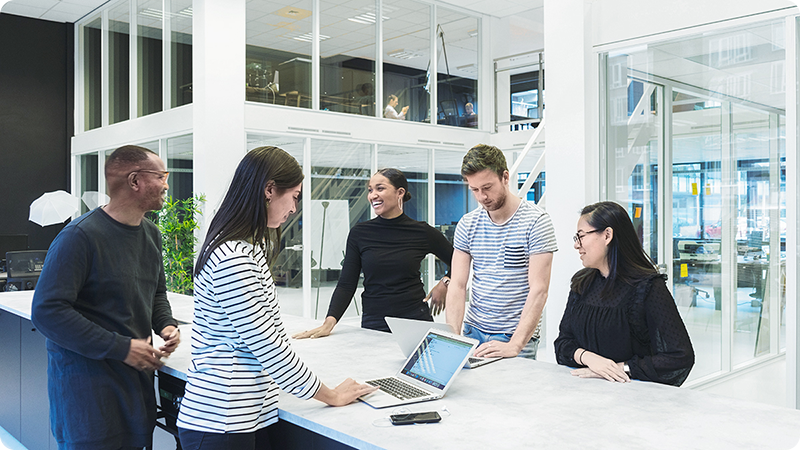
(395, 387)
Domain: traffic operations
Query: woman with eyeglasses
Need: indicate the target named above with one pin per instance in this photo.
(388, 250)
(240, 350)
(621, 322)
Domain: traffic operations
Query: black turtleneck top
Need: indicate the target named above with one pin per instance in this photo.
(389, 252)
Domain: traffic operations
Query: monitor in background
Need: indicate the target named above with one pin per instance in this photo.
(11, 243)
(24, 269)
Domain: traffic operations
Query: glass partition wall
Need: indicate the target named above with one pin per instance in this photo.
(338, 174)
(457, 57)
(119, 62)
(279, 59)
(278, 65)
(125, 48)
(180, 26)
(406, 58)
(694, 149)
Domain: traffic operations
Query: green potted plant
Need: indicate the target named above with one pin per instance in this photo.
(177, 221)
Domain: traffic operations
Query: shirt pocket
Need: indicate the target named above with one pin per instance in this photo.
(514, 257)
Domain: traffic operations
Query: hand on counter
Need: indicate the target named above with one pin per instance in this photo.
(345, 393)
(324, 330)
(143, 356)
(172, 337)
(492, 349)
(601, 367)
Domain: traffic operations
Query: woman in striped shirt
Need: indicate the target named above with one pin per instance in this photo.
(240, 351)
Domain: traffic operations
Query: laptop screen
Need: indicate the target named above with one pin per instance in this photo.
(436, 360)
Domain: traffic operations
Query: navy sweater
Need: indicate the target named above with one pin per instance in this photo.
(102, 284)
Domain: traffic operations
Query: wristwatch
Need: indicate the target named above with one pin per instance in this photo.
(626, 368)
(446, 281)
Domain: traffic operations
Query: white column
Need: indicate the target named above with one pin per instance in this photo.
(571, 148)
(219, 74)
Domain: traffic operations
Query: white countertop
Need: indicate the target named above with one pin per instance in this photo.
(509, 404)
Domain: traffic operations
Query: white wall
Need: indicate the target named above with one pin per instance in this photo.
(617, 20)
(219, 138)
(572, 160)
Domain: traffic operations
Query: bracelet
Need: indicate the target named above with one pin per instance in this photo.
(580, 357)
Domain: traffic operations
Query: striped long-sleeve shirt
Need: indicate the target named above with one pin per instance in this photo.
(240, 351)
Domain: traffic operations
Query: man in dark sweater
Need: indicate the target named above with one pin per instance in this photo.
(101, 292)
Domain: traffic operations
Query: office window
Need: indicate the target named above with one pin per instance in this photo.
(89, 182)
(278, 64)
(453, 198)
(92, 84)
(347, 54)
(722, 94)
(119, 62)
(406, 59)
(457, 50)
(340, 174)
(180, 52)
(149, 56)
(180, 163)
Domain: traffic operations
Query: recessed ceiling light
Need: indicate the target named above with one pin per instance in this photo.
(309, 37)
(404, 54)
(367, 18)
(472, 33)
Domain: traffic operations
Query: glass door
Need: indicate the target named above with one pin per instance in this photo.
(634, 142)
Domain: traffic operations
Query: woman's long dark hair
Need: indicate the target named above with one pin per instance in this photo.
(244, 212)
(626, 258)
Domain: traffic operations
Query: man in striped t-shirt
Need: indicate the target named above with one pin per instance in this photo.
(509, 244)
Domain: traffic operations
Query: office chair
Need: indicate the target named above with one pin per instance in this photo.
(24, 269)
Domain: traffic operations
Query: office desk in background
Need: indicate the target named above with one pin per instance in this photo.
(509, 404)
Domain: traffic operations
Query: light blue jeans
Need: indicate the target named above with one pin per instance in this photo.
(529, 351)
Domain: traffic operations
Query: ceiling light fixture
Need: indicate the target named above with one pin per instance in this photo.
(367, 18)
(308, 37)
(404, 54)
(158, 14)
(472, 33)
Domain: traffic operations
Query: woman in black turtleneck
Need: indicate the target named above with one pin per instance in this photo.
(389, 250)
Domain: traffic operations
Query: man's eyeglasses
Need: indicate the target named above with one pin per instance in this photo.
(163, 175)
(577, 238)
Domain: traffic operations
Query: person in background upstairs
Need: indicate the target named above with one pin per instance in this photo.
(389, 250)
(391, 113)
(240, 351)
(620, 322)
(101, 294)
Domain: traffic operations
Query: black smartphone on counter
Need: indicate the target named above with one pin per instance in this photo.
(411, 418)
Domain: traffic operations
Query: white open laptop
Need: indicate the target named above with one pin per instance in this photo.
(427, 373)
(408, 332)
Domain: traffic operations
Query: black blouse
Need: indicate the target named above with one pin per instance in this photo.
(639, 325)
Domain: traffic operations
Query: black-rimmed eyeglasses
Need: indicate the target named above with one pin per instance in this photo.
(163, 175)
(577, 238)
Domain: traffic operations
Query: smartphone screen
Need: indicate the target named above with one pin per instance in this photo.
(423, 417)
